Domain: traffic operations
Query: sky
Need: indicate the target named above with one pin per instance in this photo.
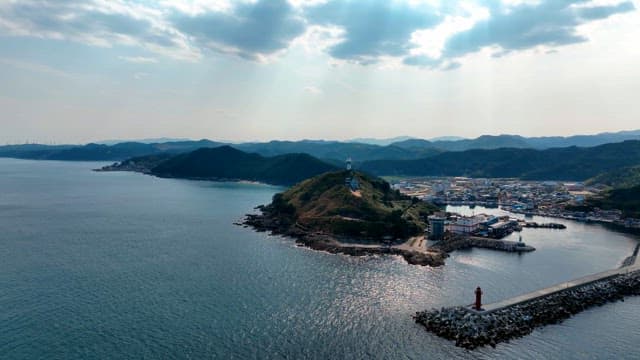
(76, 71)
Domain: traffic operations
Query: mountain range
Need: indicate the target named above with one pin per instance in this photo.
(568, 163)
(335, 152)
(100, 152)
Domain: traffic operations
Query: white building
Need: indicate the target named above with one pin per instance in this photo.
(466, 224)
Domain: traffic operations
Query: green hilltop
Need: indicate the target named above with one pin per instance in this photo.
(622, 193)
(625, 199)
(350, 204)
(620, 178)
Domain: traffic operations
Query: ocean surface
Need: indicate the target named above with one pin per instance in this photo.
(127, 266)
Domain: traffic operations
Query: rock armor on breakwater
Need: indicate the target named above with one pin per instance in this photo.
(471, 329)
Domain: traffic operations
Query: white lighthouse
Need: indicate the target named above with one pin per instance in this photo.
(348, 163)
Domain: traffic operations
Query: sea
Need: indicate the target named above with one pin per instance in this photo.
(120, 265)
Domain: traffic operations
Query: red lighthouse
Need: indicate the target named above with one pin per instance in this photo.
(478, 305)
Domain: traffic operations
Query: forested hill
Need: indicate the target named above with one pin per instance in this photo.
(369, 210)
(623, 193)
(620, 178)
(571, 163)
(227, 163)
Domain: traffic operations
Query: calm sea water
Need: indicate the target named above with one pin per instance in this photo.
(127, 266)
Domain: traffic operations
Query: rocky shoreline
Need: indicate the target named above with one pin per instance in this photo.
(328, 243)
(470, 329)
(435, 256)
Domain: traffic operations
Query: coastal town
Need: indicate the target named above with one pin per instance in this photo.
(543, 198)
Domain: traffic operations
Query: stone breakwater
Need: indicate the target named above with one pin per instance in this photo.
(471, 329)
(463, 242)
(535, 225)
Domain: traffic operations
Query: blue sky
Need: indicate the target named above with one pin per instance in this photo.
(79, 71)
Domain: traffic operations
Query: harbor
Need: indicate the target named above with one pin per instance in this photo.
(556, 199)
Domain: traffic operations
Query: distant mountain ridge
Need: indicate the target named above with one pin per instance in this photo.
(332, 151)
(226, 162)
(335, 150)
(517, 141)
(100, 152)
(569, 163)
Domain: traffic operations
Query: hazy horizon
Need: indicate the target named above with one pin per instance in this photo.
(77, 71)
(358, 139)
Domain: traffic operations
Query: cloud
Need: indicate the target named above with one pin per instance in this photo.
(97, 23)
(372, 29)
(601, 12)
(425, 33)
(422, 60)
(140, 75)
(34, 67)
(138, 59)
(425, 61)
(549, 23)
(313, 90)
(250, 30)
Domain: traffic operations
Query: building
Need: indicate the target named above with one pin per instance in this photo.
(466, 224)
(436, 227)
(502, 228)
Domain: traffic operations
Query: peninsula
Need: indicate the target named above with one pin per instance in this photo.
(353, 213)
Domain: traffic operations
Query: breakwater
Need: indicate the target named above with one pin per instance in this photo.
(535, 225)
(467, 242)
(519, 316)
